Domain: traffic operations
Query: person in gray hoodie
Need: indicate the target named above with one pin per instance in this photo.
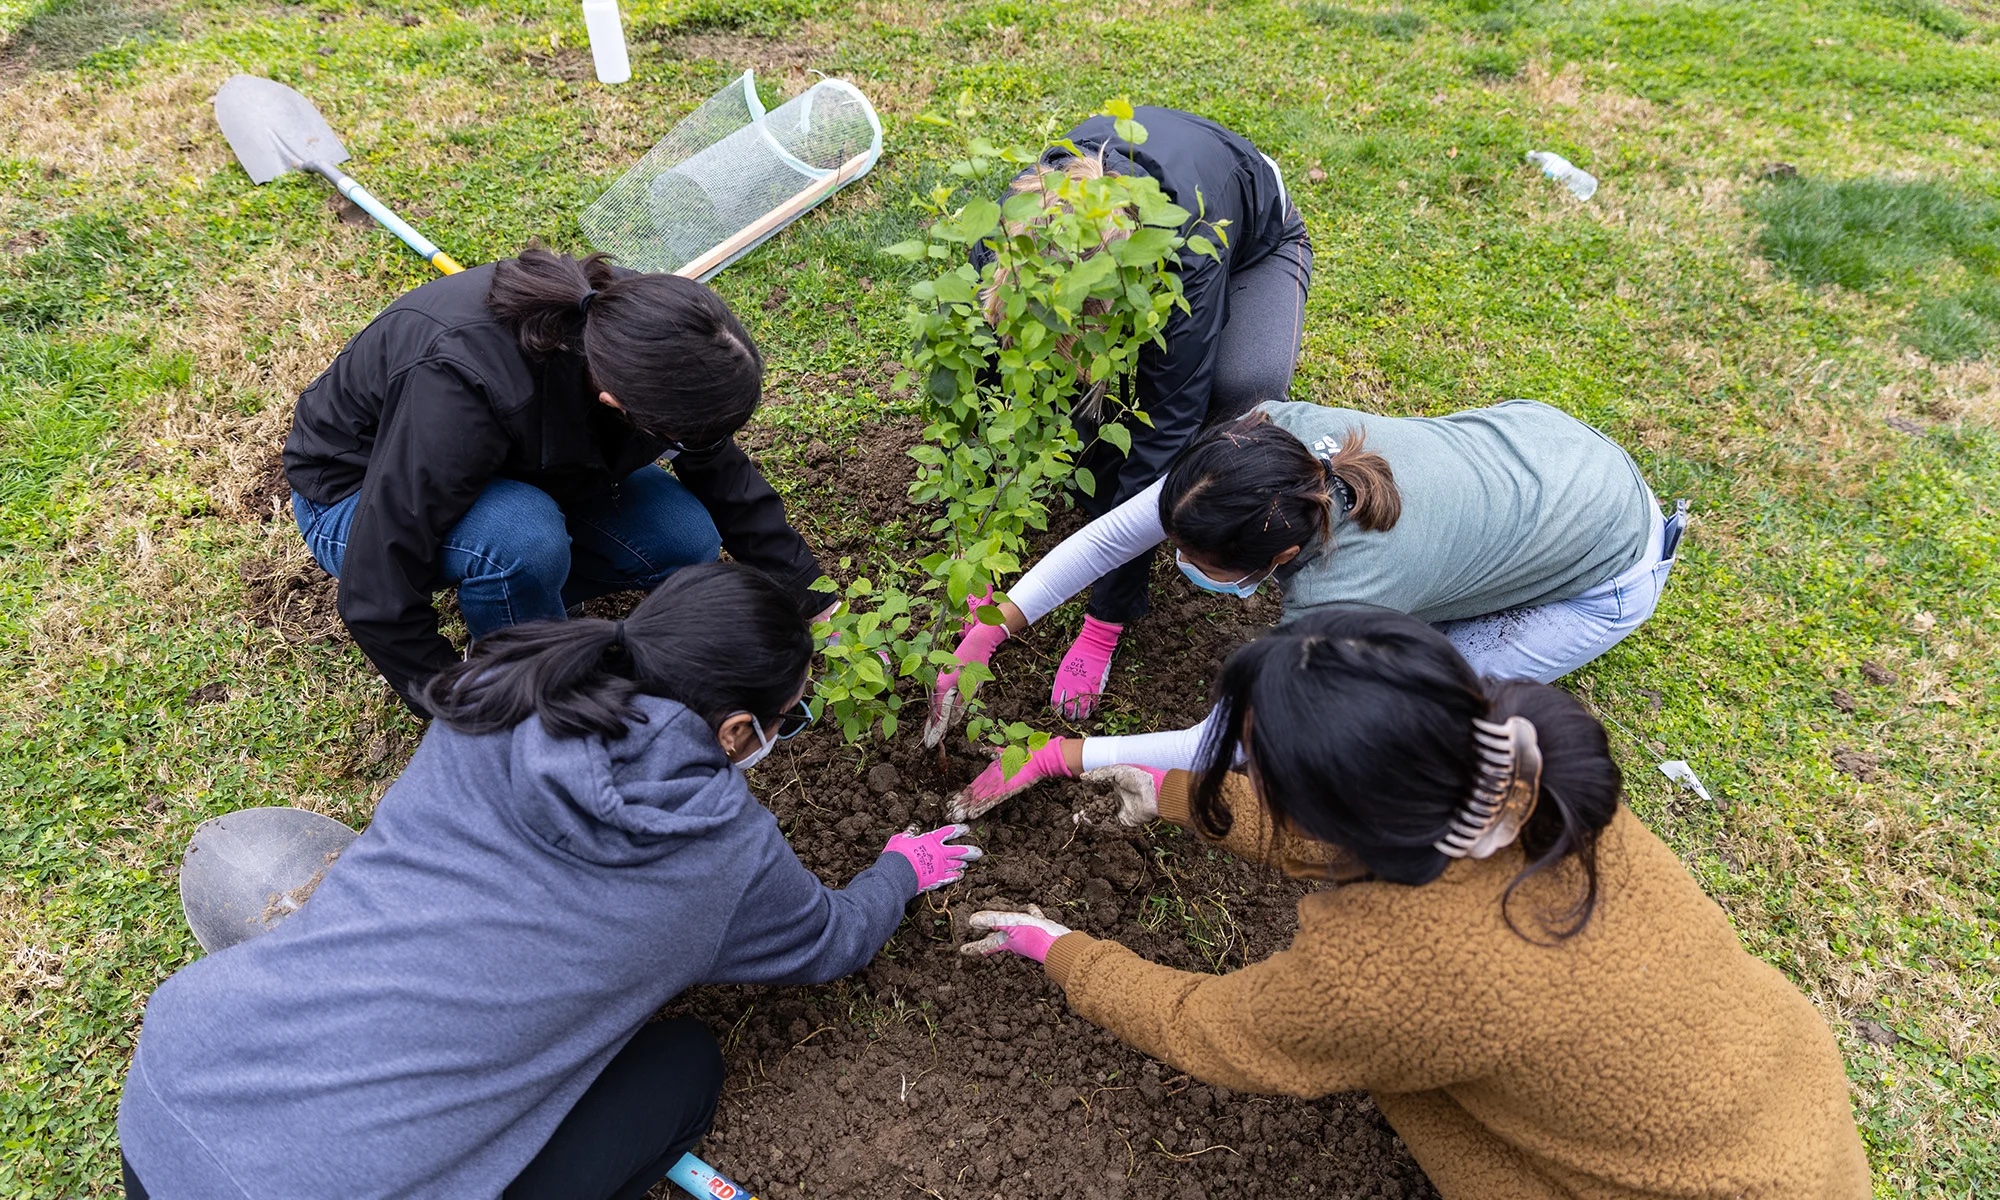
(462, 1009)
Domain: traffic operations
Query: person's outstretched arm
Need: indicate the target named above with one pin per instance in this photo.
(1347, 1006)
(1084, 557)
(1112, 540)
(790, 928)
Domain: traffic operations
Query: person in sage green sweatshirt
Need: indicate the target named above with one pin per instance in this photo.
(1527, 537)
(1537, 995)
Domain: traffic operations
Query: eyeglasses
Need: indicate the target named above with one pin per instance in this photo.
(793, 721)
(684, 448)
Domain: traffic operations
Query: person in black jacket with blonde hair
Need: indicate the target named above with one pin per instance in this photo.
(1234, 347)
(501, 430)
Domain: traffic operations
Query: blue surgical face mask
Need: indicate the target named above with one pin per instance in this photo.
(1242, 588)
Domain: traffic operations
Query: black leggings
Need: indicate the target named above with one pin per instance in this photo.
(1254, 359)
(650, 1106)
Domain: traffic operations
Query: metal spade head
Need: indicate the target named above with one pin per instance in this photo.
(246, 871)
(272, 128)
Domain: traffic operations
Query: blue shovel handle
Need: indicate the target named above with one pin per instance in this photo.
(387, 219)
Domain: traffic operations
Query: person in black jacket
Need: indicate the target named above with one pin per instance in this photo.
(1234, 348)
(500, 430)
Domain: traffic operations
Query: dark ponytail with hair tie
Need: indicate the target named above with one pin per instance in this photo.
(718, 638)
(1580, 792)
(680, 364)
(1245, 492)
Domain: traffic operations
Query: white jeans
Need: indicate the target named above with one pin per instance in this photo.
(1549, 641)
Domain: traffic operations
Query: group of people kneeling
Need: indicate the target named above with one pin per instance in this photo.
(1540, 999)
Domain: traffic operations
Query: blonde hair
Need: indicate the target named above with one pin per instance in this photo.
(1040, 180)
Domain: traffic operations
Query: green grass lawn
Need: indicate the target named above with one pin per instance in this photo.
(1783, 298)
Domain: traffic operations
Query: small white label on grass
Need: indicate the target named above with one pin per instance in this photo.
(1684, 775)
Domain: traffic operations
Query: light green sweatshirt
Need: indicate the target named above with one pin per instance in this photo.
(1504, 507)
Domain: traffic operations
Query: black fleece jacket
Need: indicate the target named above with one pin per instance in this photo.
(1216, 175)
(434, 400)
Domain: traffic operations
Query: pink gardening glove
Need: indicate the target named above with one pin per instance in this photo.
(930, 855)
(992, 787)
(1028, 934)
(976, 646)
(1085, 669)
(1137, 789)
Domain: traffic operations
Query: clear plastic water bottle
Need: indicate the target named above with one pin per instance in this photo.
(1580, 182)
(607, 40)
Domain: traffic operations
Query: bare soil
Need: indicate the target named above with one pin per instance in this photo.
(933, 1074)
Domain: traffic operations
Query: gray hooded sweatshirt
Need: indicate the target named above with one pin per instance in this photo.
(519, 907)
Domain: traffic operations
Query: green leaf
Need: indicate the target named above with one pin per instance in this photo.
(1118, 109)
(989, 614)
(908, 251)
(1012, 759)
(978, 218)
(1118, 436)
(952, 288)
(1084, 480)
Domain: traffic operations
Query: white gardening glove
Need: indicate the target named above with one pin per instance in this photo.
(1028, 934)
(1137, 788)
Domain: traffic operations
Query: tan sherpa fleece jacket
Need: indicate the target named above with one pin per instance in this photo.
(1649, 1056)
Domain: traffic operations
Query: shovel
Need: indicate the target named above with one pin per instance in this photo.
(246, 871)
(273, 130)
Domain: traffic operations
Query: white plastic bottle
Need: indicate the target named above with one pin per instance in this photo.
(1581, 183)
(607, 40)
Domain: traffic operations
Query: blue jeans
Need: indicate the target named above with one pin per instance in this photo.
(519, 556)
(1549, 641)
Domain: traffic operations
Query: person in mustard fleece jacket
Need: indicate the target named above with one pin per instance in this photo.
(1538, 996)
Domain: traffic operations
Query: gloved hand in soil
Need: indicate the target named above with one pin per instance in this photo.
(931, 855)
(1084, 671)
(976, 645)
(1137, 789)
(1028, 934)
(1050, 762)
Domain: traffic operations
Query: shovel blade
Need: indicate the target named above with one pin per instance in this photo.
(272, 128)
(246, 871)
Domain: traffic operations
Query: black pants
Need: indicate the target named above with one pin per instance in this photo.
(1254, 359)
(651, 1105)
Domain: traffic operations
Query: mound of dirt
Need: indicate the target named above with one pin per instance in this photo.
(933, 1074)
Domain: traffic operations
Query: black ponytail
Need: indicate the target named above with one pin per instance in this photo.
(719, 638)
(1581, 786)
(1246, 492)
(667, 348)
(1358, 727)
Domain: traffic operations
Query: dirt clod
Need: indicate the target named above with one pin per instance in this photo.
(283, 904)
(884, 778)
(1875, 1033)
(1878, 674)
(1859, 764)
(1842, 700)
